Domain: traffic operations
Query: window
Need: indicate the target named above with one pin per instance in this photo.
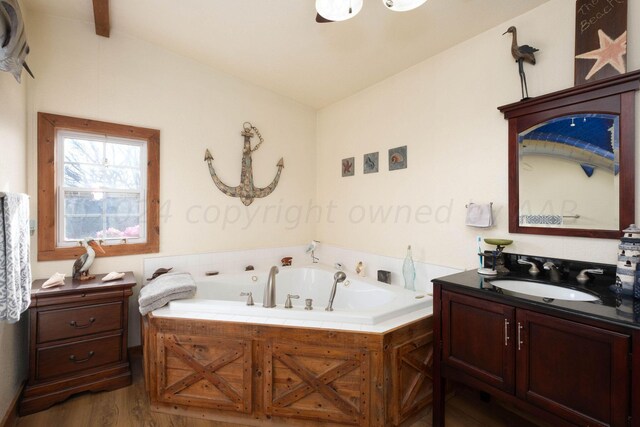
(98, 180)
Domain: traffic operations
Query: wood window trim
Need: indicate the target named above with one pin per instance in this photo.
(48, 125)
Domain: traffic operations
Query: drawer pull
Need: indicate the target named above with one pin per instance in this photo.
(74, 360)
(86, 325)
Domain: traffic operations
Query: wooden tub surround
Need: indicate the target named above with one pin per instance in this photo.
(255, 374)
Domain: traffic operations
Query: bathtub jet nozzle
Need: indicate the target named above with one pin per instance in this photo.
(339, 277)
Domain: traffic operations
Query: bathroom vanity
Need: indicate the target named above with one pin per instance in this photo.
(566, 362)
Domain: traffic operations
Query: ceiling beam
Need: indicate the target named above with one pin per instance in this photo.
(101, 17)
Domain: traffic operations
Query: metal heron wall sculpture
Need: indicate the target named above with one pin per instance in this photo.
(246, 191)
(521, 54)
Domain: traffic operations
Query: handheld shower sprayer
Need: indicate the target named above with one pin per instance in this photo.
(339, 277)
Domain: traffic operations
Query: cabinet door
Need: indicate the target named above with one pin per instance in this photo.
(576, 371)
(477, 338)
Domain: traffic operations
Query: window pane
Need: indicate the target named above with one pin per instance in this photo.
(83, 151)
(82, 203)
(123, 155)
(123, 226)
(83, 176)
(123, 204)
(77, 228)
(121, 178)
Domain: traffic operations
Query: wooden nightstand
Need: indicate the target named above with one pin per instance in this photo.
(77, 340)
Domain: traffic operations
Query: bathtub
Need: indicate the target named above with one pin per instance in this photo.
(358, 300)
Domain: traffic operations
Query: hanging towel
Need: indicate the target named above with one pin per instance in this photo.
(15, 267)
(165, 288)
(479, 215)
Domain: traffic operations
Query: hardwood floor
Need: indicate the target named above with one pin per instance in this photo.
(129, 406)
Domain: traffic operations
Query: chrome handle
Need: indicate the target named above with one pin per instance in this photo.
(520, 342)
(74, 360)
(506, 332)
(287, 303)
(86, 325)
(249, 296)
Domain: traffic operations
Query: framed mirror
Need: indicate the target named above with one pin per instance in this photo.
(572, 160)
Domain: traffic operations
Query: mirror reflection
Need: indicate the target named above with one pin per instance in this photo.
(568, 171)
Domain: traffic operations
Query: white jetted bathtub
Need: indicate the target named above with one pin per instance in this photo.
(358, 300)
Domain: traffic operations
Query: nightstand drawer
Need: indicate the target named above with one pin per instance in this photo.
(70, 358)
(82, 297)
(74, 322)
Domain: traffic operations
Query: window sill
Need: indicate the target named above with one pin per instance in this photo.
(111, 250)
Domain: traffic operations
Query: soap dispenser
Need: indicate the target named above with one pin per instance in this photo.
(409, 271)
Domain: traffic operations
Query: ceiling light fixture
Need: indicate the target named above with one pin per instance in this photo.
(341, 10)
(338, 10)
(403, 5)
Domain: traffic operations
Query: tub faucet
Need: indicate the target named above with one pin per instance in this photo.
(269, 299)
(554, 273)
(337, 278)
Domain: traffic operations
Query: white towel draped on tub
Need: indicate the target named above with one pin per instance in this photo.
(15, 268)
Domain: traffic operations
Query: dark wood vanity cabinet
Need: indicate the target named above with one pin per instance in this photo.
(77, 340)
(568, 372)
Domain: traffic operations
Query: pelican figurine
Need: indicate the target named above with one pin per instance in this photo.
(83, 263)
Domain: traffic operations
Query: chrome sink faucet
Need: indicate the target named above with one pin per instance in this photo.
(583, 278)
(534, 270)
(554, 273)
(269, 299)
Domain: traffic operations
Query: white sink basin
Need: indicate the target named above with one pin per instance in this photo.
(542, 290)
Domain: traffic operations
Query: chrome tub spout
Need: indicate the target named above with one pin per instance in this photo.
(269, 299)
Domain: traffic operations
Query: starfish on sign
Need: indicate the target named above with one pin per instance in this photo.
(610, 52)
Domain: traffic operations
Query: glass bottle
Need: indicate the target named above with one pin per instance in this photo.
(409, 271)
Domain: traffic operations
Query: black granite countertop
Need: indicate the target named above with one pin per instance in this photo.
(612, 306)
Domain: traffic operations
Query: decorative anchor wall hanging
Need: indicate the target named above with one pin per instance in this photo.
(246, 190)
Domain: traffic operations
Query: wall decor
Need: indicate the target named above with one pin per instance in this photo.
(398, 158)
(13, 40)
(370, 163)
(521, 54)
(601, 39)
(348, 166)
(246, 191)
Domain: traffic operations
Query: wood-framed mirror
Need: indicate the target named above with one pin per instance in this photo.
(572, 160)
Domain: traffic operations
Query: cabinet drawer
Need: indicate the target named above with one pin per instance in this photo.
(79, 297)
(74, 322)
(70, 358)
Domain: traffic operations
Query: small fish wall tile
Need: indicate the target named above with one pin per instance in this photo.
(370, 163)
(348, 166)
(398, 158)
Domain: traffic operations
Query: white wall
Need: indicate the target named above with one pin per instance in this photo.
(125, 80)
(13, 178)
(445, 110)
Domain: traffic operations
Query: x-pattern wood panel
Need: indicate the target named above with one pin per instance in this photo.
(341, 363)
(206, 370)
(415, 364)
